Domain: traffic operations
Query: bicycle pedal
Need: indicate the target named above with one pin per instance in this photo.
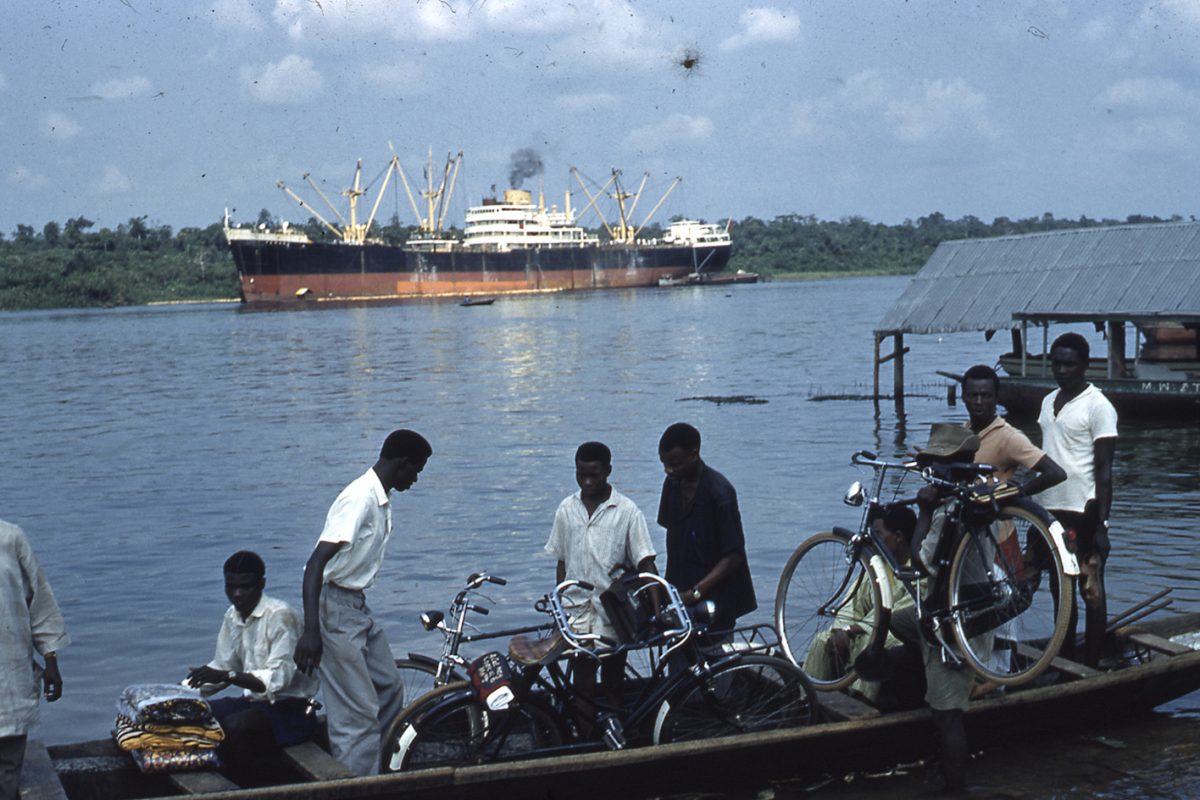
(613, 732)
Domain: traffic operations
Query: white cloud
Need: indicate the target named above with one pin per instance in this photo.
(941, 107)
(1170, 14)
(113, 181)
(402, 77)
(3, 82)
(763, 25)
(675, 128)
(1158, 134)
(932, 110)
(292, 79)
(26, 178)
(238, 15)
(123, 88)
(1149, 95)
(588, 102)
(60, 127)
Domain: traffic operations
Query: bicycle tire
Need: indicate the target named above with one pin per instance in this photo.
(816, 592)
(451, 727)
(749, 694)
(418, 678)
(1009, 605)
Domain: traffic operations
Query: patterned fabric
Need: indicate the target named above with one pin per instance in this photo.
(163, 702)
(131, 735)
(175, 760)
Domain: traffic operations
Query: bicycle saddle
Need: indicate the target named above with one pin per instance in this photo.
(528, 650)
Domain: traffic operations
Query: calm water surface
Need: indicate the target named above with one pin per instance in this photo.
(143, 446)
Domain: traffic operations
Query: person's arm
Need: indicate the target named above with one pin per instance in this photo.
(308, 647)
(560, 572)
(720, 571)
(928, 499)
(1103, 451)
(1049, 473)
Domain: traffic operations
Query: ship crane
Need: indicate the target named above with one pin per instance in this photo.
(437, 199)
(624, 231)
(351, 231)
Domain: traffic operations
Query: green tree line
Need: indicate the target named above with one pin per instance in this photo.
(73, 264)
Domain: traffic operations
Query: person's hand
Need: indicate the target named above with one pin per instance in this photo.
(928, 496)
(198, 676)
(52, 683)
(308, 651)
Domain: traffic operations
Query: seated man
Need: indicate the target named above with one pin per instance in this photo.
(598, 535)
(254, 652)
(833, 651)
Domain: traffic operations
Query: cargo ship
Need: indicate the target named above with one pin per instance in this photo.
(509, 244)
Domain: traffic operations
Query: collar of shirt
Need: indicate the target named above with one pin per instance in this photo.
(611, 502)
(997, 422)
(257, 613)
(381, 494)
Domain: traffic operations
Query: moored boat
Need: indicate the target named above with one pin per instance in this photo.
(1157, 662)
(510, 244)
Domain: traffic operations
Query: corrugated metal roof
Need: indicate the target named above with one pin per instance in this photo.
(978, 284)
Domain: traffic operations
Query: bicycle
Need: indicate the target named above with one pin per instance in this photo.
(421, 673)
(1003, 579)
(705, 693)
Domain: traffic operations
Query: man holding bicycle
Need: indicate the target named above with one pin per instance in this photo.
(706, 546)
(1000, 444)
(598, 535)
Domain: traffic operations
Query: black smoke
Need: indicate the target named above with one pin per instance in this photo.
(525, 163)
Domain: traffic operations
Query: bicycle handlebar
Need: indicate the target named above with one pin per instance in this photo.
(552, 604)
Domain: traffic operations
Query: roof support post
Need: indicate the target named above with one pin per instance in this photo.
(875, 395)
(1116, 348)
(898, 354)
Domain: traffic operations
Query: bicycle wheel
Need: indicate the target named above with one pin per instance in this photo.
(820, 589)
(451, 727)
(1009, 598)
(418, 677)
(752, 693)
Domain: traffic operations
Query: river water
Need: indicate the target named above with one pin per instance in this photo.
(142, 446)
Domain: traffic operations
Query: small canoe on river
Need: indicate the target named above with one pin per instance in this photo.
(1158, 663)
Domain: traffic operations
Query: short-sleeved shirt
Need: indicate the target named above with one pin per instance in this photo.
(361, 519)
(1006, 448)
(597, 549)
(30, 624)
(1070, 439)
(700, 535)
(262, 645)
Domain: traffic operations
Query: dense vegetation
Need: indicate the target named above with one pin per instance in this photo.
(74, 265)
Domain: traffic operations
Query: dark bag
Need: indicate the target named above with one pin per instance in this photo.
(629, 616)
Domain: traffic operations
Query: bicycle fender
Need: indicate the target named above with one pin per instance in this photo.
(1057, 533)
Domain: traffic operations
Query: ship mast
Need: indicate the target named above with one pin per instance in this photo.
(437, 199)
(624, 231)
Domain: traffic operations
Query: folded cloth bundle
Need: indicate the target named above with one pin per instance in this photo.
(163, 702)
(132, 735)
(175, 760)
(167, 728)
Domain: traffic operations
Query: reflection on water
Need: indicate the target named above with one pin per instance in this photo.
(142, 446)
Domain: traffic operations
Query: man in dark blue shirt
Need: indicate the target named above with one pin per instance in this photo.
(706, 548)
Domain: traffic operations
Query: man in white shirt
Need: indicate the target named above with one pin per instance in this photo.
(363, 689)
(598, 535)
(254, 653)
(1079, 431)
(30, 624)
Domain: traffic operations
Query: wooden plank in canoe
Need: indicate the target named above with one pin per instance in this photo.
(315, 763)
(39, 781)
(840, 707)
(1158, 643)
(1072, 668)
(201, 782)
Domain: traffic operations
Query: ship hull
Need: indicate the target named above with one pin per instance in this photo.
(279, 274)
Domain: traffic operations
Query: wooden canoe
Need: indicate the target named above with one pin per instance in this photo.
(854, 737)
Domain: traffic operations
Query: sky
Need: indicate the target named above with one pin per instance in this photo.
(179, 109)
